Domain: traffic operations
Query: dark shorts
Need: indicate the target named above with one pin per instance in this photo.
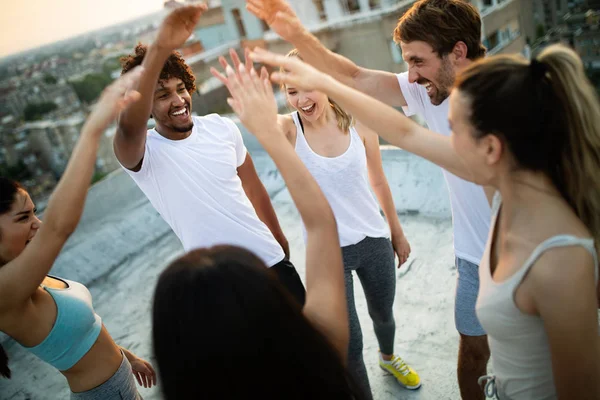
(289, 278)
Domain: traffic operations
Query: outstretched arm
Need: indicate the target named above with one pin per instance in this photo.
(22, 276)
(325, 306)
(283, 20)
(130, 139)
(390, 124)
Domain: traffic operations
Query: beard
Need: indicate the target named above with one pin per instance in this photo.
(445, 80)
(184, 128)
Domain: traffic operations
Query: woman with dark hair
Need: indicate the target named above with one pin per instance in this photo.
(531, 130)
(224, 327)
(344, 158)
(53, 317)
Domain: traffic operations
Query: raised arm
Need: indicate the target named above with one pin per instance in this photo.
(280, 17)
(390, 124)
(130, 139)
(21, 277)
(325, 305)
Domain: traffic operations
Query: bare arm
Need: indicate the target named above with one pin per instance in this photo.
(258, 196)
(390, 124)
(22, 276)
(378, 180)
(325, 306)
(282, 19)
(570, 320)
(381, 188)
(130, 139)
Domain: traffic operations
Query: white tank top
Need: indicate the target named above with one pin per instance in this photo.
(521, 358)
(345, 183)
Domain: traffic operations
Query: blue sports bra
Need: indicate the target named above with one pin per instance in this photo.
(75, 330)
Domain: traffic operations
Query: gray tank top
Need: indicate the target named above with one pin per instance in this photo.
(521, 358)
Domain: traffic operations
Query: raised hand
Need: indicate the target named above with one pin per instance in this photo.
(252, 100)
(279, 15)
(248, 64)
(179, 25)
(115, 98)
(297, 73)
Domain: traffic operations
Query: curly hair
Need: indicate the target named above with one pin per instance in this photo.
(175, 67)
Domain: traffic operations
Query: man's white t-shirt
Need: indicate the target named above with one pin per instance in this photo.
(194, 185)
(470, 207)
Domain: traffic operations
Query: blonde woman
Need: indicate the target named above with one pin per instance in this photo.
(345, 160)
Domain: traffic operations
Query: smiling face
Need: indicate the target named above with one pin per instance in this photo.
(18, 226)
(171, 107)
(310, 104)
(427, 68)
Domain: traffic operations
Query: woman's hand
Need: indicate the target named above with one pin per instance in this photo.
(297, 73)
(253, 100)
(143, 372)
(401, 248)
(115, 98)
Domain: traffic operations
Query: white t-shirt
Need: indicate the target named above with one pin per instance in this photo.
(194, 185)
(470, 208)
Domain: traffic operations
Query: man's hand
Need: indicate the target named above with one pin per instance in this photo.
(279, 15)
(178, 26)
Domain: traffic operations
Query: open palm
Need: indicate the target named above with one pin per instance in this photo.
(278, 14)
(178, 26)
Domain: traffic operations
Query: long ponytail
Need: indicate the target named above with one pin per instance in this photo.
(8, 191)
(580, 161)
(548, 114)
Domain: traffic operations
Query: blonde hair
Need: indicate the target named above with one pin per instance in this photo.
(548, 114)
(344, 120)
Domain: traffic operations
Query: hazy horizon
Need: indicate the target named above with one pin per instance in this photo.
(63, 19)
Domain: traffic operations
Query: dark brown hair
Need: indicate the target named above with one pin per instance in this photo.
(216, 307)
(175, 67)
(442, 24)
(547, 114)
(8, 191)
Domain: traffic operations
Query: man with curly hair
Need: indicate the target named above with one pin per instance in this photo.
(196, 171)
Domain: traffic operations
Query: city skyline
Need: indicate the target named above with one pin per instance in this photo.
(62, 19)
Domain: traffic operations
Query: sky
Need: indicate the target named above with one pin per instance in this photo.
(31, 23)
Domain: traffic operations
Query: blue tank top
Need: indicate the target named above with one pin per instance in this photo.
(75, 330)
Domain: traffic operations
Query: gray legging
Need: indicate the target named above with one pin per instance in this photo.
(373, 261)
(121, 386)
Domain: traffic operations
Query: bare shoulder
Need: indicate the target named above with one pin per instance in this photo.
(286, 123)
(565, 269)
(365, 133)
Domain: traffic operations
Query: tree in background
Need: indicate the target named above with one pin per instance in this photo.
(49, 79)
(34, 111)
(89, 88)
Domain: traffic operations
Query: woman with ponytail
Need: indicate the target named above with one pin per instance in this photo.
(345, 160)
(51, 317)
(531, 131)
